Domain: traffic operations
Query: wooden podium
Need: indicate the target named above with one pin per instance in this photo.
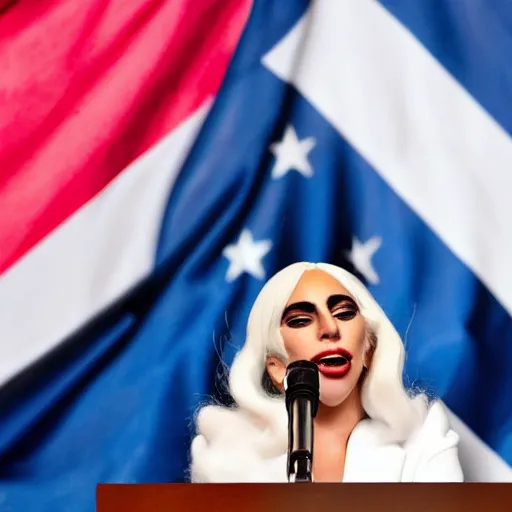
(304, 497)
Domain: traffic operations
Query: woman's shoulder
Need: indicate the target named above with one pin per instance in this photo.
(228, 448)
(435, 426)
(432, 451)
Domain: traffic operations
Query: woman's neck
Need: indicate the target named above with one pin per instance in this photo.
(342, 419)
(332, 429)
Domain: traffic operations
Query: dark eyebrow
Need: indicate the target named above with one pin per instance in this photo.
(308, 307)
(334, 300)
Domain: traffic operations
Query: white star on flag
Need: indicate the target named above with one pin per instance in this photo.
(246, 256)
(292, 154)
(361, 257)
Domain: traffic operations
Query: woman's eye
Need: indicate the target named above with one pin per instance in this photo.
(346, 314)
(298, 322)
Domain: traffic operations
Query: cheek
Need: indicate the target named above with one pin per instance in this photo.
(354, 336)
(297, 343)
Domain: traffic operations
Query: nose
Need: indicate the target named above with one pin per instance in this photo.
(328, 328)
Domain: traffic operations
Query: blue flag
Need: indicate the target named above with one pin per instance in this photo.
(375, 136)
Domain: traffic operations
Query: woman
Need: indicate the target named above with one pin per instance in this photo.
(368, 427)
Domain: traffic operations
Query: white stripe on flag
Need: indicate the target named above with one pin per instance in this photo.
(422, 132)
(93, 258)
(413, 122)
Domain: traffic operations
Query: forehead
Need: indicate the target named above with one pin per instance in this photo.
(316, 286)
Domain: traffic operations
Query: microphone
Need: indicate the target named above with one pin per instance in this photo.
(302, 391)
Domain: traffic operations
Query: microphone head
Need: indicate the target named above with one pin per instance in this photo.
(302, 380)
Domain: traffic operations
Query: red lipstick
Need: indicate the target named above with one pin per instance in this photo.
(333, 366)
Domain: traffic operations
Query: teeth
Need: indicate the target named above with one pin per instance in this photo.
(331, 357)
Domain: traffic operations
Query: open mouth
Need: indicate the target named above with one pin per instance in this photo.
(333, 363)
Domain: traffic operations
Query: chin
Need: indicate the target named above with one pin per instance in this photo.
(331, 401)
(334, 392)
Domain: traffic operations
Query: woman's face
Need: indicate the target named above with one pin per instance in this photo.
(322, 323)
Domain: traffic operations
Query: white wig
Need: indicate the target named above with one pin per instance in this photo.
(233, 443)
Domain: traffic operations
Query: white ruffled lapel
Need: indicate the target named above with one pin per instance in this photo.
(370, 458)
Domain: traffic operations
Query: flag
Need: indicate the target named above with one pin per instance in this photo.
(148, 194)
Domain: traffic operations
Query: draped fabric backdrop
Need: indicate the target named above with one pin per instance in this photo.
(160, 159)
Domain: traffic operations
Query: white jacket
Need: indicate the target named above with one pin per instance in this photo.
(430, 456)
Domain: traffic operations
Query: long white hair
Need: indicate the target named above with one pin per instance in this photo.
(234, 443)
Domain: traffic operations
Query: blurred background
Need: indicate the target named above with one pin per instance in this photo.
(160, 159)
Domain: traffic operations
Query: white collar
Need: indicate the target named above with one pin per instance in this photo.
(369, 457)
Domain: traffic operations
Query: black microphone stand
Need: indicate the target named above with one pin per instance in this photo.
(302, 397)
